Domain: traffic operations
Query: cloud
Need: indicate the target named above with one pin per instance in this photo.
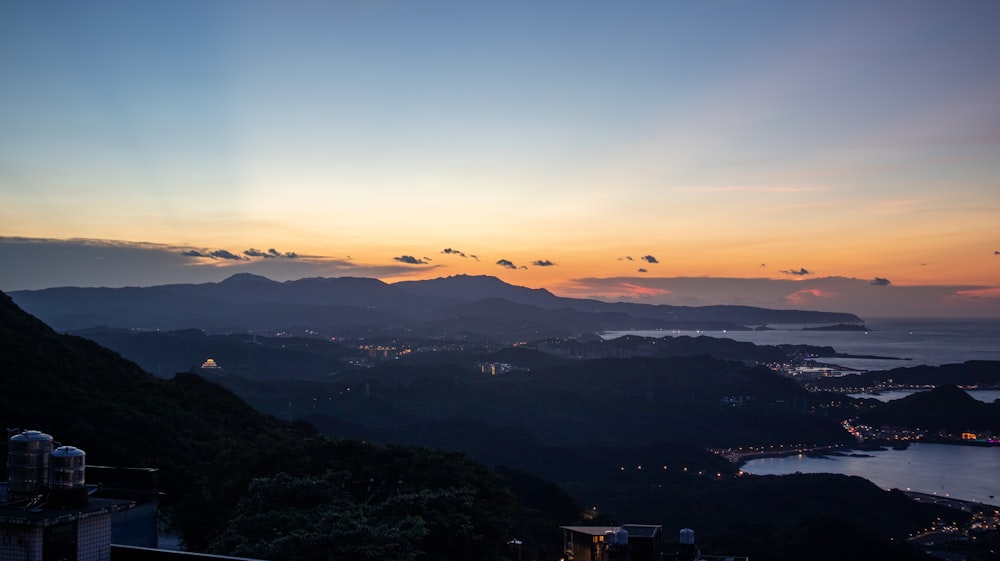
(270, 254)
(879, 281)
(641, 270)
(225, 254)
(450, 251)
(759, 189)
(800, 272)
(46, 263)
(626, 258)
(649, 259)
(996, 253)
(542, 263)
(643, 291)
(804, 296)
(507, 264)
(980, 294)
(476, 257)
(257, 253)
(410, 260)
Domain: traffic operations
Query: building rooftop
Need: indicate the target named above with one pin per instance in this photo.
(23, 512)
(634, 530)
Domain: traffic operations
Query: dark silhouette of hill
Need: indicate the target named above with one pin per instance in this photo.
(801, 516)
(603, 402)
(970, 373)
(211, 448)
(257, 357)
(359, 305)
(669, 346)
(471, 288)
(946, 407)
(242, 483)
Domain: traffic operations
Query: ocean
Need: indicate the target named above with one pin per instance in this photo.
(903, 342)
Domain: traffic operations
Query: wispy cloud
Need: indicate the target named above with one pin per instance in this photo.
(506, 264)
(543, 263)
(980, 293)
(649, 259)
(804, 296)
(643, 291)
(757, 189)
(879, 281)
(46, 262)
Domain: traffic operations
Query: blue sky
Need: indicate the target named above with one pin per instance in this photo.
(731, 140)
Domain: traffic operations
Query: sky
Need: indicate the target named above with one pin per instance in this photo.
(841, 155)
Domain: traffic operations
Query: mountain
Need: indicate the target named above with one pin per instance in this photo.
(970, 373)
(240, 483)
(214, 452)
(474, 307)
(946, 407)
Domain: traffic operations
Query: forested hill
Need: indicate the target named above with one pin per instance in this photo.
(210, 446)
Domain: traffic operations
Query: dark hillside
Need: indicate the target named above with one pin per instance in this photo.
(624, 402)
(210, 447)
(946, 407)
(240, 483)
(254, 357)
(984, 373)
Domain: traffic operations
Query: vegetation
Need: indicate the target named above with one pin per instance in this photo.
(218, 456)
(238, 482)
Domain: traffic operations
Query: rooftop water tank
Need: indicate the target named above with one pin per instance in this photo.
(687, 536)
(67, 485)
(28, 463)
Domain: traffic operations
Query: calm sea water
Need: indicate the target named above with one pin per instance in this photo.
(912, 341)
(961, 472)
(986, 396)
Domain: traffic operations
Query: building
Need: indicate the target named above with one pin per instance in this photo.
(54, 507)
(632, 542)
(629, 542)
(46, 509)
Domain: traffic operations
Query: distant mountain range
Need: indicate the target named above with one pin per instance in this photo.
(462, 306)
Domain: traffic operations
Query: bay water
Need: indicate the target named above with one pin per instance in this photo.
(962, 472)
(899, 341)
(968, 473)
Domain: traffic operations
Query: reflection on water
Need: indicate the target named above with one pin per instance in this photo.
(961, 472)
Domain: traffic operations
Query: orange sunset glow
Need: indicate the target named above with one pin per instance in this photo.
(604, 152)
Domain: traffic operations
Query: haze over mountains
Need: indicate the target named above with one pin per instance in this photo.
(471, 306)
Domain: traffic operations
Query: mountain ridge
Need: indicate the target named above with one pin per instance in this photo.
(245, 302)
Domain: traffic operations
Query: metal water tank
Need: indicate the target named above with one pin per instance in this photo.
(687, 536)
(67, 467)
(28, 462)
(67, 484)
